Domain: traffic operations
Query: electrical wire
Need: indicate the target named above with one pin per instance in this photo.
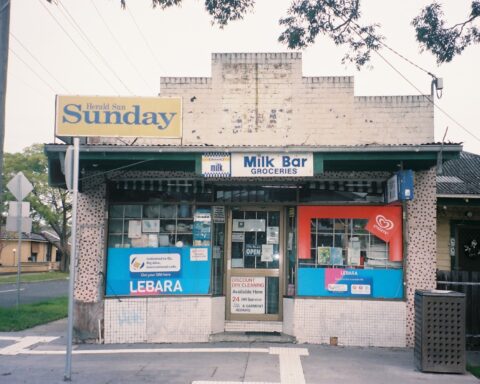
(73, 23)
(78, 47)
(119, 45)
(145, 40)
(33, 70)
(22, 79)
(415, 87)
(392, 50)
(39, 63)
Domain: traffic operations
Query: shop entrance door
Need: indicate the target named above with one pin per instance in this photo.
(255, 264)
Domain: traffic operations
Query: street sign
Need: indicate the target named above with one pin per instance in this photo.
(68, 168)
(25, 224)
(19, 186)
(19, 208)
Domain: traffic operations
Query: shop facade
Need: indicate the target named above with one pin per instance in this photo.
(279, 203)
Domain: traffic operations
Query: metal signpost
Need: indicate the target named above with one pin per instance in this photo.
(18, 219)
(71, 177)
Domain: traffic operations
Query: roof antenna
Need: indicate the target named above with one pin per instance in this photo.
(440, 155)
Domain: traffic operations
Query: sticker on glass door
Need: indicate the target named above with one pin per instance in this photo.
(247, 295)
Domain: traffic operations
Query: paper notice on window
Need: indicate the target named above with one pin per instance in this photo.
(238, 237)
(217, 252)
(249, 225)
(153, 241)
(290, 241)
(198, 254)
(267, 252)
(134, 229)
(218, 214)
(272, 235)
(247, 295)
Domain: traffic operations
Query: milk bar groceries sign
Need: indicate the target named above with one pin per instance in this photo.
(119, 116)
(257, 164)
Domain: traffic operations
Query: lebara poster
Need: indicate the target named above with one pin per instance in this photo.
(158, 271)
(350, 282)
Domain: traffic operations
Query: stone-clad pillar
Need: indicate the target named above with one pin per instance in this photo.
(89, 285)
(421, 237)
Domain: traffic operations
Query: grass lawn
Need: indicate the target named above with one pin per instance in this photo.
(474, 370)
(33, 277)
(29, 315)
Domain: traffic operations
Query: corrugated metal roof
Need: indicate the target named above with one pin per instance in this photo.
(194, 148)
(465, 171)
(205, 145)
(25, 236)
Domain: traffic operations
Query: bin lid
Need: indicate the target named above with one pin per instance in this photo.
(438, 292)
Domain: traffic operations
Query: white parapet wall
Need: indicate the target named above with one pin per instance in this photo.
(352, 322)
(163, 319)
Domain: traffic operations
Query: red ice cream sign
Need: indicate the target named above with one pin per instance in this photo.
(384, 225)
(385, 222)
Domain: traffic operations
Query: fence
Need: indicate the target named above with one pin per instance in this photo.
(467, 282)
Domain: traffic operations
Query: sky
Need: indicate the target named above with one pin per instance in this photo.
(125, 53)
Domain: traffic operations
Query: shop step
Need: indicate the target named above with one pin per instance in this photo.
(252, 336)
(253, 326)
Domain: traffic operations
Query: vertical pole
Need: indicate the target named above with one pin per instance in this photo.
(4, 35)
(73, 262)
(19, 245)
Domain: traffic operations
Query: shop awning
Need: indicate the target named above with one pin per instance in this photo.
(187, 160)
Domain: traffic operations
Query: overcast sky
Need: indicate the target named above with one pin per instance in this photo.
(178, 42)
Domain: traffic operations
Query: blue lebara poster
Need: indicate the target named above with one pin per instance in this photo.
(346, 282)
(158, 271)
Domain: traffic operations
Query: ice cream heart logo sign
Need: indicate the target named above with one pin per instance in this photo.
(384, 223)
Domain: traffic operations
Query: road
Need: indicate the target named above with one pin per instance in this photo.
(32, 292)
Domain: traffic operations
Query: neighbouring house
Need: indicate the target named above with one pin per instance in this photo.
(38, 254)
(254, 200)
(458, 234)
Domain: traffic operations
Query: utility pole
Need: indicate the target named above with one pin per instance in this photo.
(4, 37)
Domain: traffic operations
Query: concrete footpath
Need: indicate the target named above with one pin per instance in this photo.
(38, 356)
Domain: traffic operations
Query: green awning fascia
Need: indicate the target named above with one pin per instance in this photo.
(356, 158)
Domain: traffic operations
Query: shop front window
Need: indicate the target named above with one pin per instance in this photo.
(164, 249)
(350, 252)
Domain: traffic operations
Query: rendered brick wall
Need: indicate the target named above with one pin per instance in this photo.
(353, 322)
(263, 98)
(163, 319)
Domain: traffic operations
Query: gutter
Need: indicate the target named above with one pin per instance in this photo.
(244, 149)
(446, 196)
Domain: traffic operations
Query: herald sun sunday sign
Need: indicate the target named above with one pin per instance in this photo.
(118, 116)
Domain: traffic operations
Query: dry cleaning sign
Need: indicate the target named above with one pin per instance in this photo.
(272, 164)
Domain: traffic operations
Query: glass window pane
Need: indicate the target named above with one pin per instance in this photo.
(272, 285)
(151, 211)
(134, 211)
(116, 211)
(116, 226)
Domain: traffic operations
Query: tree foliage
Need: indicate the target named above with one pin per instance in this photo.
(339, 20)
(50, 207)
(445, 42)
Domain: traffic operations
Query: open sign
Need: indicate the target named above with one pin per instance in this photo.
(253, 250)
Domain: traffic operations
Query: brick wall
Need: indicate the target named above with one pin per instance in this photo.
(263, 98)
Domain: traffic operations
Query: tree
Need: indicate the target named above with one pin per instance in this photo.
(340, 21)
(50, 206)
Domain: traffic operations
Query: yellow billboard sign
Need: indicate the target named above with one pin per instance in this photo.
(119, 116)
